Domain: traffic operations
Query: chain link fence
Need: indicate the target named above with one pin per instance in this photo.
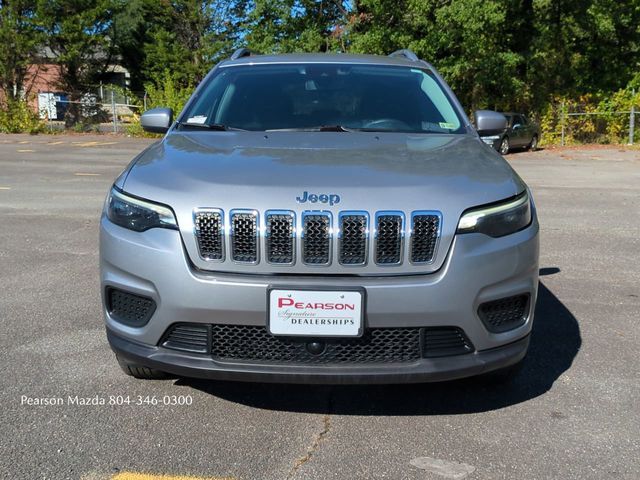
(603, 122)
(101, 108)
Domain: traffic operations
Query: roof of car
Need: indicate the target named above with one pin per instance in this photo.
(325, 58)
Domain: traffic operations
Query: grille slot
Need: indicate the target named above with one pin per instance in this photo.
(280, 237)
(445, 341)
(244, 236)
(425, 230)
(504, 314)
(254, 343)
(389, 236)
(353, 238)
(316, 238)
(188, 337)
(209, 225)
(129, 308)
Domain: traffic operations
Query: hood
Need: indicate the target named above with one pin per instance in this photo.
(368, 171)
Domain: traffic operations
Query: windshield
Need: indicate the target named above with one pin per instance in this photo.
(317, 96)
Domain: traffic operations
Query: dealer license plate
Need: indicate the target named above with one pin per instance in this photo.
(316, 313)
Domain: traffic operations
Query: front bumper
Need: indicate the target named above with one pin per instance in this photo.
(425, 370)
(478, 269)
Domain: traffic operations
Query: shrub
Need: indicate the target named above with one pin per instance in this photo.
(16, 116)
(166, 91)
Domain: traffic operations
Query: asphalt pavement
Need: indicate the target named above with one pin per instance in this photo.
(574, 411)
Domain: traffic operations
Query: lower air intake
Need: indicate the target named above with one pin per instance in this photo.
(254, 344)
(189, 337)
(504, 314)
(129, 308)
(445, 342)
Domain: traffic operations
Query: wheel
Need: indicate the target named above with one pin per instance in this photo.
(141, 372)
(534, 143)
(504, 146)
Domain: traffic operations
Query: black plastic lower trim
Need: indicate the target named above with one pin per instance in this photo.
(425, 370)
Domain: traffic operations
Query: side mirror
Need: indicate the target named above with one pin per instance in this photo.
(157, 120)
(489, 122)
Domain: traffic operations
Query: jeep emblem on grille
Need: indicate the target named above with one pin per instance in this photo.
(332, 198)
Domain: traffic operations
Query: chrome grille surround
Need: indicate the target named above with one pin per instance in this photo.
(210, 232)
(389, 238)
(280, 237)
(244, 234)
(426, 227)
(369, 240)
(317, 237)
(353, 238)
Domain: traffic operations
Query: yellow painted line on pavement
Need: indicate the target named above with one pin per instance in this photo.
(92, 144)
(81, 174)
(25, 151)
(55, 143)
(5, 188)
(23, 142)
(148, 476)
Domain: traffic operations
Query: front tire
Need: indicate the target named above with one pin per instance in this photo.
(141, 372)
(504, 146)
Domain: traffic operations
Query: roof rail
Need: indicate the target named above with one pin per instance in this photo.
(241, 52)
(408, 54)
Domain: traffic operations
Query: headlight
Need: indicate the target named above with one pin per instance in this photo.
(138, 215)
(498, 220)
(491, 139)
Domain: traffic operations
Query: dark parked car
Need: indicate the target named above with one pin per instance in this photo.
(520, 133)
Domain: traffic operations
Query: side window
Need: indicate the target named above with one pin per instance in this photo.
(523, 120)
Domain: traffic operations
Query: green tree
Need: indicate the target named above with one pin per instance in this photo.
(20, 40)
(135, 21)
(280, 26)
(584, 47)
(469, 41)
(80, 35)
(191, 36)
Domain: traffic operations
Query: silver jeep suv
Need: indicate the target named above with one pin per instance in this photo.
(319, 218)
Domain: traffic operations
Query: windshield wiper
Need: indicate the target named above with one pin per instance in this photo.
(211, 126)
(321, 128)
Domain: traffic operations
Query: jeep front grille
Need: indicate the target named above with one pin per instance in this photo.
(316, 234)
(244, 236)
(384, 239)
(353, 235)
(389, 238)
(281, 237)
(209, 225)
(425, 228)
